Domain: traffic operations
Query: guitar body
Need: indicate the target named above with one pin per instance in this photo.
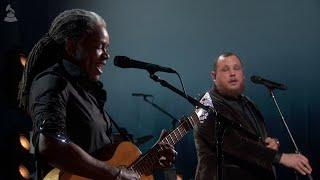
(124, 155)
(128, 155)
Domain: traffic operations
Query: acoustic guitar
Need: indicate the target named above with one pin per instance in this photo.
(127, 155)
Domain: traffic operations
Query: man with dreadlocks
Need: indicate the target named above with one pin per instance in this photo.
(61, 91)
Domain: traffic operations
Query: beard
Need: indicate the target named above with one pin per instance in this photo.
(229, 91)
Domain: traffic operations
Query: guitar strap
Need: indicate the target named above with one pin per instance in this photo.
(124, 134)
(41, 167)
(37, 160)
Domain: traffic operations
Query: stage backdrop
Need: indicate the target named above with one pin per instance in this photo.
(278, 40)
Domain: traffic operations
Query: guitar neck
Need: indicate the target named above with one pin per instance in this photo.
(178, 133)
(145, 163)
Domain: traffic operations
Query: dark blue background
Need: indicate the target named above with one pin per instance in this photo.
(279, 40)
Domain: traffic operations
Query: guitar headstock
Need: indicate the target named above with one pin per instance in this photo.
(202, 113)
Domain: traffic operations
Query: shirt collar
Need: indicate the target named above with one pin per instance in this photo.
(72, 69)
(229, 98)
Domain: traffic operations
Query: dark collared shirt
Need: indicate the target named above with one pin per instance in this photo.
(66, 105)
(241, 105)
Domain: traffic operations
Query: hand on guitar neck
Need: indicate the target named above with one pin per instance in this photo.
(166, 156)
(166, 152)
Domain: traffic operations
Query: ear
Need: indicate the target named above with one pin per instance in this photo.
(213, 76)
(70, 48)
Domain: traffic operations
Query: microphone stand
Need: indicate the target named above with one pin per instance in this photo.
(287, 128)
(174, 120)
(122, 131)
(219, 127)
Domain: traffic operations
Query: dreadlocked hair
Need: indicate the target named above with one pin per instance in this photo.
(74, 25)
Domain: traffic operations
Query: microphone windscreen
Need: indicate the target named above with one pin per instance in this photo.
(255, 79)
(121, 61)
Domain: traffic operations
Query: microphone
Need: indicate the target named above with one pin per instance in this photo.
(268, 83)
(141, 94)
(126, 62)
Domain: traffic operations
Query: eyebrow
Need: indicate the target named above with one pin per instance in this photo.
(98, 42)
(226, 65)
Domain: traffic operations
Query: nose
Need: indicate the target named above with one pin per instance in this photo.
(232, 73)
(105, 54)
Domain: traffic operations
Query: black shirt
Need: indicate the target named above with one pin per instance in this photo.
(242, 105)
(66, 105)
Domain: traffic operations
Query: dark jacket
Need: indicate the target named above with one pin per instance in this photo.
(245, 155)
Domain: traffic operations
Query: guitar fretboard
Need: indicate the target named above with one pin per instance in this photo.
(174, 136)
(144, 165)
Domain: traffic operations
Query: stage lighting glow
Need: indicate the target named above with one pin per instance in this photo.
(24, 172)
(23, 59)
(24, 142)
(179, 177)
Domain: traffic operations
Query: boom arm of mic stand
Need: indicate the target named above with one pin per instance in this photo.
(193, 101)
(285, 124)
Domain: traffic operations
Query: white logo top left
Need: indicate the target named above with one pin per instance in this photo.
(10, 15)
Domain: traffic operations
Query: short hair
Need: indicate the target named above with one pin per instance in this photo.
(225, 54)
(73, 24)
